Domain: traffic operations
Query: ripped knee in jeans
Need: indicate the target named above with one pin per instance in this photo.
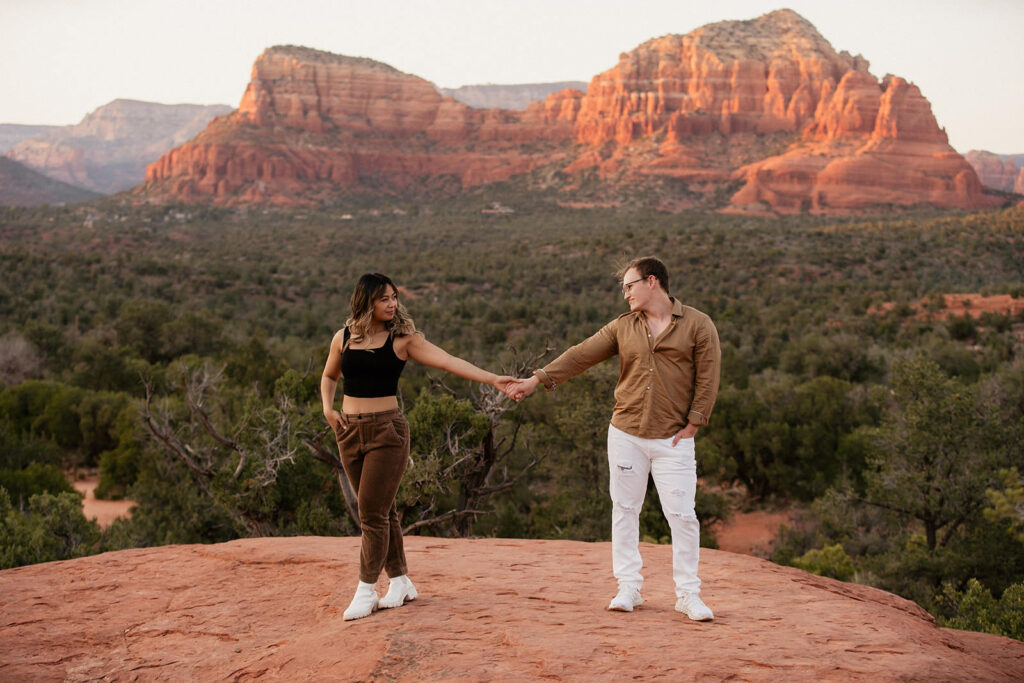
(670, 506)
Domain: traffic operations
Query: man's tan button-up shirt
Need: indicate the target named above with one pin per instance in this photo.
(664, 383)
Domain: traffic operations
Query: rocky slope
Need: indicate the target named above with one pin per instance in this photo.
(21, 186)
(492, 96)
(999, 171)
(108, 151)
(762, 115)
(489, 609)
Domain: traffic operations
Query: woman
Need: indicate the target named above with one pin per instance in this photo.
(373, 436)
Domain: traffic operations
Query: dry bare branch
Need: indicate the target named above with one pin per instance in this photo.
(329, 456)
(446, 517)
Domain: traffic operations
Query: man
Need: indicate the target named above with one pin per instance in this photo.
(669, 362)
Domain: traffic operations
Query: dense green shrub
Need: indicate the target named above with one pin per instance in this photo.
(19, 450)
(831, 561)
(121, 465)
(51, 528)
(975, 609)
(79, 421)
(1006, 501)
(773, 447)
(24, 483)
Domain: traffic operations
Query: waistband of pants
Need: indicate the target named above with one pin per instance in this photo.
(382, 416)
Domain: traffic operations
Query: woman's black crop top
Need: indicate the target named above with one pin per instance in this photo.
(371, 373)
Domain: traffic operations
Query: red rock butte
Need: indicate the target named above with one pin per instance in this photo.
(764, 113)
(488, 609)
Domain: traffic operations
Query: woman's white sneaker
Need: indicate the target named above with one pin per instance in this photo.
(692, 606)
(626, 599)
(399, 591)
(363, 603)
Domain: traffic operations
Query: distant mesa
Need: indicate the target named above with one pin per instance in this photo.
(756, 116)
(108, 151)
(999, 171)
(21, 186)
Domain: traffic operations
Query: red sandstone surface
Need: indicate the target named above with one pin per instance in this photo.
(765, 104)
(488, 609)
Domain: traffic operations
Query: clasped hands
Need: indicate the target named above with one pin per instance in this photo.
(517, 388)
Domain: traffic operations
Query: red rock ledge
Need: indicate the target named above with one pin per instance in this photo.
(488, 609)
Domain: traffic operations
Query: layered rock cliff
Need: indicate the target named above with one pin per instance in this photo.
(764, 113)
(312, 122)
(844, 139)
(897, 156)
(488, 609)
(108, 151)
(999, 171)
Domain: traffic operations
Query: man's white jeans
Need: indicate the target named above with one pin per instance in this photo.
(674, 469)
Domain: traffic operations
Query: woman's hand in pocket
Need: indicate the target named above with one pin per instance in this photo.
(336, 420)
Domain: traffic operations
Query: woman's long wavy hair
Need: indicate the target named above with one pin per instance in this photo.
(371, 287)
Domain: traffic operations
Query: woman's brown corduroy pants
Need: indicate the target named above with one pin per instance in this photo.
(374, 451)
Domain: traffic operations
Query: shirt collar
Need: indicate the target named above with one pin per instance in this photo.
(677, 307)
(677, 311)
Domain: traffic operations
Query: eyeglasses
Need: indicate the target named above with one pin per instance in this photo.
(626, 287)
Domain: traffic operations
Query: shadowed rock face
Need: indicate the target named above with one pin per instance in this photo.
(765, 105)
(488, 609)
(1000, 172)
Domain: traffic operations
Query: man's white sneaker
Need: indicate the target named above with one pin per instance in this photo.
(626, 599)
(399, 590)
(692, 606)
(363, 603)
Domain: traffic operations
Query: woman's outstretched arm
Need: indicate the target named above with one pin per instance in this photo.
(422, 351)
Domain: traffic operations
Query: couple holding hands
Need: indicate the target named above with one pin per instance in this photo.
(669, 364)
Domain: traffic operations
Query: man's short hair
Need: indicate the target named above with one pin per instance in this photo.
(647, 266)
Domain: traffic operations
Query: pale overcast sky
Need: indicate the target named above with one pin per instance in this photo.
(60, 59)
